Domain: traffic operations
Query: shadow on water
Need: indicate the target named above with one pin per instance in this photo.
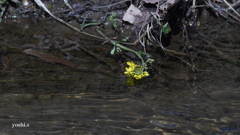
(38, 97)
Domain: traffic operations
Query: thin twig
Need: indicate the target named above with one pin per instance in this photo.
(188, 64)
(65, 1)
(229, 6)
(236, 4)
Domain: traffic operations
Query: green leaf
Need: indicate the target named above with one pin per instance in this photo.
(149, 60)
(119, 49)
(49, 6)
(113, 50)
(125, 39)
(148, 55)
(166, 28)
(140, 52)
(112, 19)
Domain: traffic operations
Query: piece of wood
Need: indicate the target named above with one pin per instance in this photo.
(48, 57)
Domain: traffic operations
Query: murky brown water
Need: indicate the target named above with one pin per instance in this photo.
(38, 97)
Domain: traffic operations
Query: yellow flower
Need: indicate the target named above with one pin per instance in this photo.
(136, 71)
(130, 70)
(130, 63)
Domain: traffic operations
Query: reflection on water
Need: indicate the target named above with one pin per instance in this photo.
(104, 112)
(37, 97)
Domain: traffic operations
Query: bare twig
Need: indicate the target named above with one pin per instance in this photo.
(222, 11)
(65, 1)
(230, 7)
(236, 4)
(140, 37)
(188, 64)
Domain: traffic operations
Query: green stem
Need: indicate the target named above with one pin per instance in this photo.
(123, 47)
(128, 49)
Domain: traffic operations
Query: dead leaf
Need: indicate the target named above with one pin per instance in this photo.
(134, 10)
(128, 18)
(131, 14)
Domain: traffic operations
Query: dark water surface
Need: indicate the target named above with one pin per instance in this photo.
(38, 97)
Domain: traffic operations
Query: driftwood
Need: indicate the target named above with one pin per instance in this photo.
(48, 57)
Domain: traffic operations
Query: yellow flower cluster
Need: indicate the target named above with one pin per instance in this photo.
(136, 71)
